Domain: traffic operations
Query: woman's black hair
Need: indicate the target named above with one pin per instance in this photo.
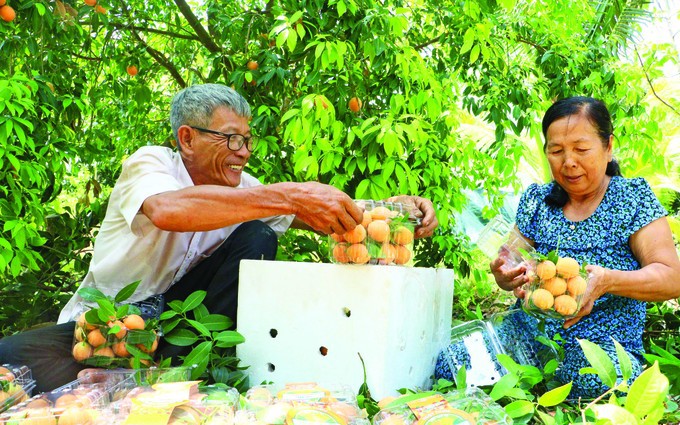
(598, 115)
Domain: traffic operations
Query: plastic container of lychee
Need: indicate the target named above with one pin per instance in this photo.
(556, 289)
(16, 385)
(385, 236)
(500, 238)
(127, 342)
(298, 403)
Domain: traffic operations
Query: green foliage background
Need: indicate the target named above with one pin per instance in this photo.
(452, 91)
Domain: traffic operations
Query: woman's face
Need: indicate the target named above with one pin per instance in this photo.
(577, 158)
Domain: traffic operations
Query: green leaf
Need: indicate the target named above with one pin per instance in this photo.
(193, 300)
(216, 322)
(600, 360)
(168, 314)
(519, 408)
(616, 414)
(474, 53)
(181, 337)
(200, 327)
(647, 392)
(198, 359)
(501, 388)
(229, 339)
(91, 294)
(624, 361)
(126, 292)
(555, 396)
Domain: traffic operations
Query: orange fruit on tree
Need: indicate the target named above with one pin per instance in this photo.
(567, 267)
(133, 321)
(545, 270)
(3, 2)
(252, 65)
(354, 104)
(358, 253)
(379, 231)
(90, 2)
(7, 13)
(542, 299)
(556, 286)
(99, 9)
(355, 235)
(402, 236)
(565, 305)
(132, 70)
(576, 286)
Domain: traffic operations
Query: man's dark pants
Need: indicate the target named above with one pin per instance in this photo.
(47, 351)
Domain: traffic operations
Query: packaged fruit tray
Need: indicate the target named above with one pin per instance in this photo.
(466, 407)
(556, 288)
(300, 403)
(16, 385)
(499, 238)
(385, 236)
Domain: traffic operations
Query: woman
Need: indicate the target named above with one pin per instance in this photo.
(592, 214)
(616, 225)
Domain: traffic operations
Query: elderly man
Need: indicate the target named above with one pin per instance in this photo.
(181, 221)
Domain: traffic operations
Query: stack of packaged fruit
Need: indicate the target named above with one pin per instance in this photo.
(465, 407)
(298, 404)
(125, 397)
(385, 236)
(16, 385)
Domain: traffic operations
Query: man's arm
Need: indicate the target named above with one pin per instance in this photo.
(206, 207)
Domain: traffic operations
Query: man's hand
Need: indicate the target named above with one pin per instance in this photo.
(325, 209)
(424, 211)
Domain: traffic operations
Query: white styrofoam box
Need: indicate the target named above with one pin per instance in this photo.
(309, 322)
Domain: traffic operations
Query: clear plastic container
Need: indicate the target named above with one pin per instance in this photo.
(16, 385)
(385, 236)
(112, 345)
(499, 238)
(556, 291)
(301, 403)
(475, 346)
(470, 406)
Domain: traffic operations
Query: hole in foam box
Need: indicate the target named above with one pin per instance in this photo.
(400, 320)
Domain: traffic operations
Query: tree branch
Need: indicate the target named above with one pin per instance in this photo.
(202, 34)
(154, 31)
(651, 86)
(158, 56)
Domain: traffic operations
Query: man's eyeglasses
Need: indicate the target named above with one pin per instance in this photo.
(234, 141)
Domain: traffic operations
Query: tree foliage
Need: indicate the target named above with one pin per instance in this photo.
(425, 71)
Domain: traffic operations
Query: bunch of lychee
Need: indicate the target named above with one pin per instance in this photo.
(100, 345)
(556, 287)
(381, 238)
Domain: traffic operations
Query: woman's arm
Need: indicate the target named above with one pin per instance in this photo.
(658, 279)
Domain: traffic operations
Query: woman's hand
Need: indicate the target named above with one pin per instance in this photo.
(509, 279)
(595, 289)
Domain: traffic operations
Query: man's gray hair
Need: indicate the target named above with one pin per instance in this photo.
(195, 105)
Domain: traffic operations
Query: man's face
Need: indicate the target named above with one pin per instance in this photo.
(210, 161)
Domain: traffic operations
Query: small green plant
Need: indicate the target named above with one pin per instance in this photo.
(212, 355)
